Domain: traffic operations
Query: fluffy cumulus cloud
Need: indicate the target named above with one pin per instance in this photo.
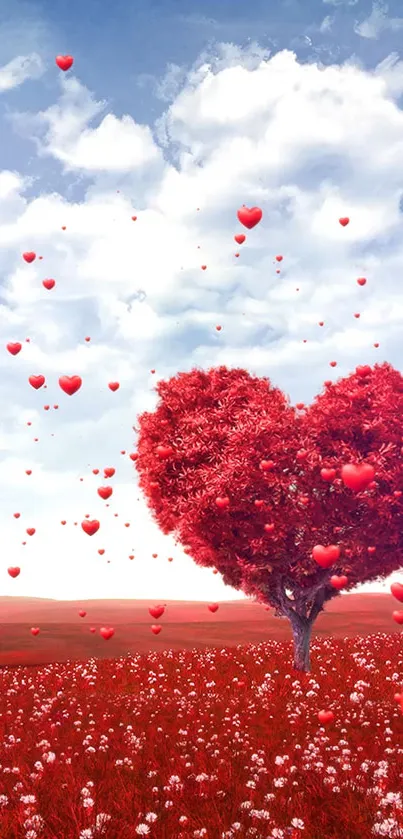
(274, 133)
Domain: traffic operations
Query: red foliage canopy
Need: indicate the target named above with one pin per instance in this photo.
(221, 424)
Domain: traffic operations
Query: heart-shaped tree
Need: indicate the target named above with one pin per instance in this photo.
(251, 485)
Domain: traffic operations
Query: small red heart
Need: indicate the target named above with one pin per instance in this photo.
(114, 386)
(328, 474)
(35, 630)
(269, 528)
(30, 531)
(325, 556)
(397, 591)
(164, 451)
(397, 617)
(64, 62)
(213, 607)
(156, 611)
(70, 384)
(344, 221)
(49, 284)
(325, 716)
(36, 381)
(361, 281)
(109, 471)
(279, 258)
(249, 216)
(338, 582)
(82, 613)
(13, 571)
(106, 632)
(156, 629)
(90, 527)
(240, 238)
(266, 465)
(105, 492)
(222, 502)
(14, 349)
(29, 256)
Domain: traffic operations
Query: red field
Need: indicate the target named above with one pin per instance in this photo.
(65, 636)
(203, 744)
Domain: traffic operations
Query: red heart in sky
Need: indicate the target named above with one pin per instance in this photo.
(14, 349)
(70, 384)
(109, 471)
(13, 571)
(90, 527)
(29, 256)
(35, 630)
(213, 607)
(249, 216)
(64, 62)
(49, 284)
(113, 386)
(105, 492)
(156, 629)
(344, 221)
(240, 238)
(36, 381)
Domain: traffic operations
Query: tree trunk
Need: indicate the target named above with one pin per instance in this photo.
(301, 630)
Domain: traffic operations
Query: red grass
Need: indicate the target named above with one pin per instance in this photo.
(215, 719)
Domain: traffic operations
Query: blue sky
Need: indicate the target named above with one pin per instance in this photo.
(215, 106)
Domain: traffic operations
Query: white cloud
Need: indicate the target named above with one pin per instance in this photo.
(275, 133)
(115, 145)
(19, 70)
(378, 22)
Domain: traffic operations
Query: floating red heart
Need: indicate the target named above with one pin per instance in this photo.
(70, 384)
(361, 281)
(49, 284)
(357, 476)
(156, 629)
(114, 386)
(164, 451)
(13, 571)
(29, 256)
(328, 474)
(338, 582)
(240, 238)
(35, 630)
(325, 716)
(249, 216)
(326, 556)
(109, 471)
(82, 613)
(344, 221)
(107, 632)
(105, 492)
(222, 502)
(90, 527)
(397, 591)
(14, 349)
(156, 611)
(36, 381)
(64, 62)
(398, 617)
(213, 607)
